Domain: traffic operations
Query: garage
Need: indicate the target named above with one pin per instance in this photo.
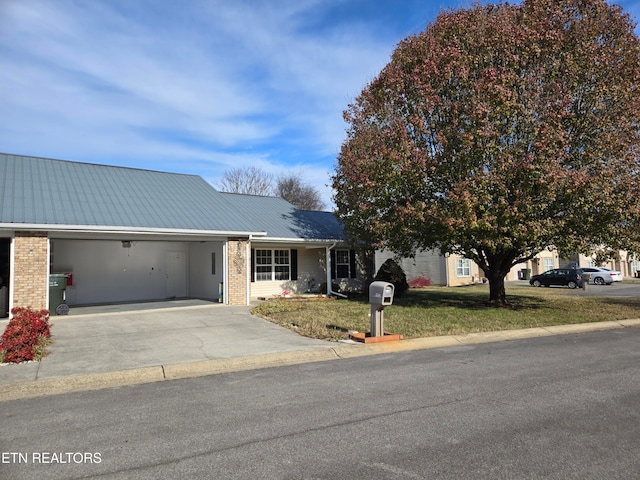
(110, 271)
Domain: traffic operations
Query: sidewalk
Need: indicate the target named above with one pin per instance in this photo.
(109, 346)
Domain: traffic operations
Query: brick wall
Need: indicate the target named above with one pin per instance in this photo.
(30, 269)
(237, 261)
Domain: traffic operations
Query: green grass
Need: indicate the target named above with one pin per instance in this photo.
(435, 311)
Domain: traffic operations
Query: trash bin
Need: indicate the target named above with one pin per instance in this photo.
(57, 291)
(526, 273)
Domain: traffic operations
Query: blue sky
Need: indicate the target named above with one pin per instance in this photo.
(196, 86)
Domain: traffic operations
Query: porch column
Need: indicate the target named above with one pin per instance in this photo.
(238, 274)
(30, 271)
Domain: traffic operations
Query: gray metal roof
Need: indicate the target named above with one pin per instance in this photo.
(281, 220)
(62, 194)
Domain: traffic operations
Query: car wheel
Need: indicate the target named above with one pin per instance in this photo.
(536, 283)
(598, 281)
(572, 284)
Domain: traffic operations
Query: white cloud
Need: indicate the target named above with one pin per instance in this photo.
(196, 86)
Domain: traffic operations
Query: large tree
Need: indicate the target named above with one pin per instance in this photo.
(499, 131)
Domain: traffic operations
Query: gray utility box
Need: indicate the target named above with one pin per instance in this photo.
(380, 295)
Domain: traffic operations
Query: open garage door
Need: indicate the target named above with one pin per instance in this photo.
(110, 271)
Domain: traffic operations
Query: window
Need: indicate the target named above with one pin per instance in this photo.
(273, 265)
(463, 267)
(264, 264)
(343, 264)
(548, 264)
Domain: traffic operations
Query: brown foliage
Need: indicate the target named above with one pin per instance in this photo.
(497, 132)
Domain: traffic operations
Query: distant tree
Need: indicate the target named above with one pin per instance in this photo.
(299, 194)
(499, 131)
(251, 181)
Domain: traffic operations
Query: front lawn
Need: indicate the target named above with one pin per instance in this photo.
(435, 311)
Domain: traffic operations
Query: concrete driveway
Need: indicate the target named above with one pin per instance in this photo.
(114, 338)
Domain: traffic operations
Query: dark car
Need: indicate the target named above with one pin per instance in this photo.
(570, 277)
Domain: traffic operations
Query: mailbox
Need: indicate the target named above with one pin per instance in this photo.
(381, 293)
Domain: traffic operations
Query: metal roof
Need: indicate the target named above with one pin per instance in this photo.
(60, 194)
(283, 221)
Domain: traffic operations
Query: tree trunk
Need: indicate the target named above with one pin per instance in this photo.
(497, 295)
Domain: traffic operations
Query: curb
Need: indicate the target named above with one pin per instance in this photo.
(81, 383)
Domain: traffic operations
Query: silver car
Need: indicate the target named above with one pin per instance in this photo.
(602, 276)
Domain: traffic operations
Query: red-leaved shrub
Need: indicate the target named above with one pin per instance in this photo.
(420, 281)
(23, 334)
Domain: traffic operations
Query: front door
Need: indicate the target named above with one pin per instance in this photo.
(176, 274)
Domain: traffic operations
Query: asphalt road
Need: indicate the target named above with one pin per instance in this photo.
(613, 290)
(630, 290)
(563, 407)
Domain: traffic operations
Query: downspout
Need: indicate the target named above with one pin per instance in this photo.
(248, 269)
(225, 272)
(329, 291)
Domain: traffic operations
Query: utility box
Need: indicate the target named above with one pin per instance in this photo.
(381, 293)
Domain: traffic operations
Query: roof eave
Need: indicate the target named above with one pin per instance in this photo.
(35, 227)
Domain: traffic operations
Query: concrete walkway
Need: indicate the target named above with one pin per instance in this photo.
(116, 345)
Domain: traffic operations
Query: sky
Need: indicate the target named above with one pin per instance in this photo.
(197, 86)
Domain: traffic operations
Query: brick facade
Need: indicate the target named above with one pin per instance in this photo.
(30, 269)
(237, 261)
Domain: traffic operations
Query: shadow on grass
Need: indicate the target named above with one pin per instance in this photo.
(468, 298)
(632, 302)
(337, 328)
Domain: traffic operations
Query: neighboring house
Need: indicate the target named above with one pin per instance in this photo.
(452, 270)
(455, 270)
(126, 234)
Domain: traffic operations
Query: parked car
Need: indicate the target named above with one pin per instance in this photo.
(616, 275)
(571, 277)
(602, 276)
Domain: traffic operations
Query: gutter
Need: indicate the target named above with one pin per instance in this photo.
(119, 230)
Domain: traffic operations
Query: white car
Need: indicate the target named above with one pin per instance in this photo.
(602, 276)
(617, 276)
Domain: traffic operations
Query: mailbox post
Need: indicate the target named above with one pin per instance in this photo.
(380, 295)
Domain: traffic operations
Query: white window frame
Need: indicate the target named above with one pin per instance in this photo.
(463, 267)
(548, 263)
(272, 264)
(341, 255)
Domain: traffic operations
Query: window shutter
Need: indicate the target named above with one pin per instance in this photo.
(333, 264)
(253, 265)
(352, 263)
(294, 264)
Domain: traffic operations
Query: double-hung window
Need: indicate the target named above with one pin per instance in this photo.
(272, 264)
(343, 264)
(463, 267)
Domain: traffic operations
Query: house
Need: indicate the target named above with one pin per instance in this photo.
(455, 270)
(126, 235)
(449, 270)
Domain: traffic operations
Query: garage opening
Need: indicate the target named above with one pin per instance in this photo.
(5, 275)
(110, 271)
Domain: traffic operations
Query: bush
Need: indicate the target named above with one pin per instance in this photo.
(419, 282)
(27, 332)
(391, 272)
